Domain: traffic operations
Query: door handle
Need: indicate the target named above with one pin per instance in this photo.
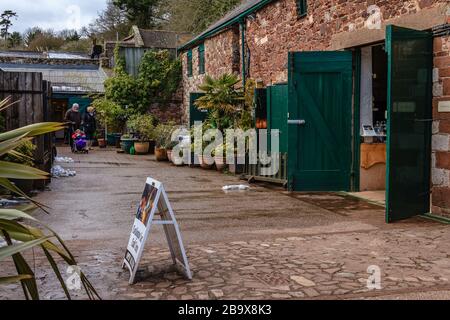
(299, 122)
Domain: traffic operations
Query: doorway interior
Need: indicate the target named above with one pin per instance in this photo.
(373, 123)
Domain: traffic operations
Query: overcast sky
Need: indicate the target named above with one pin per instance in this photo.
(54, 14)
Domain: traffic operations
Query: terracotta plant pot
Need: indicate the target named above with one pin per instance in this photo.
(203, 163)
(220, 163)
(101, 143)
(142, 147)
(161, 154)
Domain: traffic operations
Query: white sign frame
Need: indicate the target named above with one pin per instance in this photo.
(140, 233)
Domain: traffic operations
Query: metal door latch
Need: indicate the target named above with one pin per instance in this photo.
(297, 122)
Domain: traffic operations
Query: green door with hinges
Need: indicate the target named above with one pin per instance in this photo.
(277, 110)
(196, 114)
(410, 63)
(320, 121)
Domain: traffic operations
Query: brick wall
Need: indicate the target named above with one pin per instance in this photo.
(441, 128)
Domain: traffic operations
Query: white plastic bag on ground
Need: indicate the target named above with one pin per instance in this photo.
(236, 188)
(58, 172)
(64, 159)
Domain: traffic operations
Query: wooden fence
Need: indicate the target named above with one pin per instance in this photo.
(33, 94)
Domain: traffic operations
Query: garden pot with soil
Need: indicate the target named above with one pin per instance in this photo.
(161, 154)
(101, 143)
(142, 147)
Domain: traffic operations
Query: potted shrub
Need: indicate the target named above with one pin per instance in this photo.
(162, 136)
(27, 151)
(144, 129)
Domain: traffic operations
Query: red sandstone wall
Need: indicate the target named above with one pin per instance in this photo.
(441, 127)
(220, 56)
(277, 29)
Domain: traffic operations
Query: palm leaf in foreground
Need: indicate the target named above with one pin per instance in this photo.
(30, 237)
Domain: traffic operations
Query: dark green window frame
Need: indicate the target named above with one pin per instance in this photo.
(189, 63)
(302, 8)
(201, 59)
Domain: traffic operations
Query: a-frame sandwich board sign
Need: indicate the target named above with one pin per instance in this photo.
(155, 209)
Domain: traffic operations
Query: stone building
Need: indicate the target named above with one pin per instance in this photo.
(368, 46)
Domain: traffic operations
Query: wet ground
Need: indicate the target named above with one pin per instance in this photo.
(262, 244)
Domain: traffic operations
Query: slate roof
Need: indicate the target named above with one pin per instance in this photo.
(160, 39)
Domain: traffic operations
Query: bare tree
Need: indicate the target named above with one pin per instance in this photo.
(110, 23)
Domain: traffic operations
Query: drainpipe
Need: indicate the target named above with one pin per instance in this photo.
(242, 28)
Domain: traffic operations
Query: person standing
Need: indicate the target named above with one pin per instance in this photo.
(90, 125)
(73, 117)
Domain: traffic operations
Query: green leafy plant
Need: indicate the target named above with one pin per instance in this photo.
(159, 76)
(18, 235)
(245, 121)
(23, 155)
(143, 126)
(163, 134)
(222, 99)
(110, 114)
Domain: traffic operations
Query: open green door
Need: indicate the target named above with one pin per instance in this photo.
(410, 61)
(194, 113)
(320, 121)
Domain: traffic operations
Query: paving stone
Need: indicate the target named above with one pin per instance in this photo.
(310, 292)
(280, 296)
(216, 294)
(345, 275)
(410, 279)
(332, 271)
(303, 281)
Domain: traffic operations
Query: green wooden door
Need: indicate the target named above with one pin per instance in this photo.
(194, 113)
(320, 121)
(410, 61)
(277, 110)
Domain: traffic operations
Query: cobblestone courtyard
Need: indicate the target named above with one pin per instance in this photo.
(261, 244)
